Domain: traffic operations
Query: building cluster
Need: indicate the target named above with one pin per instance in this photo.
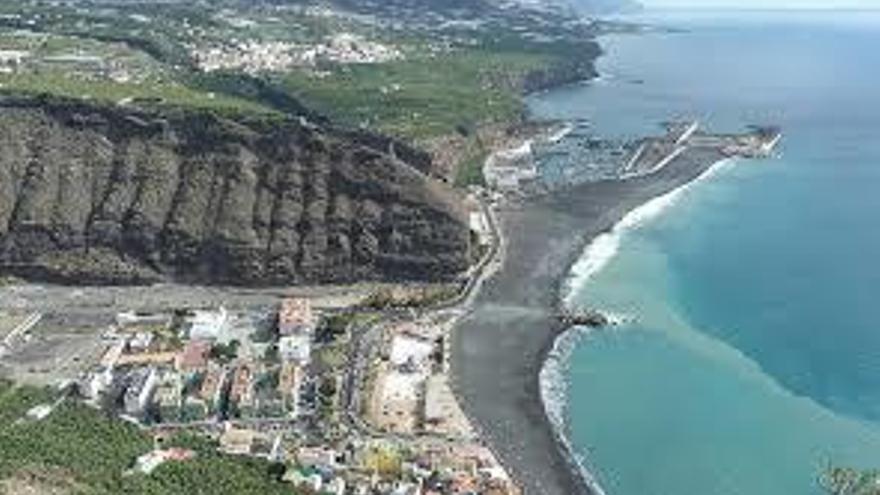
(204, 365)
(251, 382)
(253, 56)
(382, 466)
(509, 170)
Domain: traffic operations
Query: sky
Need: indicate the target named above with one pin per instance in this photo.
(769, 4)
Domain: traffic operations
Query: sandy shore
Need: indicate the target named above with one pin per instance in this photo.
(500, 347)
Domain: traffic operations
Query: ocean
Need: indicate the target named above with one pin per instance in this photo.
(748, 357)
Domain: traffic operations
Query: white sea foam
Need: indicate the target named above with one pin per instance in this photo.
(604, 247)
(554, 385)
(561, 133)
(554, 373)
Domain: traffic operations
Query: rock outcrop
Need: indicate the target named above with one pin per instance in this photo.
(94, 194)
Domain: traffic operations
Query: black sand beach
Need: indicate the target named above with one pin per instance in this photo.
(500, 347)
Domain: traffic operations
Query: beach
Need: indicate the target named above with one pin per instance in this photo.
(501, 345)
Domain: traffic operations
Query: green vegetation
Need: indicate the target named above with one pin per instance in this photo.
(108, 92)
(15, 401)
(848, 481)
(450, 81)
(421, 97)
(225, 352)
(412, 297)
(90, 452)
(470, 171)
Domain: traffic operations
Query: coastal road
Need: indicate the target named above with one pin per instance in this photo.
(499, 348)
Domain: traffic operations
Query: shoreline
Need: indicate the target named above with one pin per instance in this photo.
(553, 380)
(502, 346)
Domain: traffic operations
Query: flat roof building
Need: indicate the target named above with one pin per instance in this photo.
(142, 383)
(295, 316)
(193, 357)
(207, 325)
(296, 348)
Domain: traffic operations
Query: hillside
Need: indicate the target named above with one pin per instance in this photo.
(265, 143)
(102, 194)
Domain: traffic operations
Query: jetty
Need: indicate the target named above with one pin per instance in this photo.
(586, 318)
(653, 153)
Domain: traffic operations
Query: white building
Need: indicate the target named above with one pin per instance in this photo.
(410, 351)
(140, 391)
(208, 325)
(296, 348)
(140, 342)
(96, 384)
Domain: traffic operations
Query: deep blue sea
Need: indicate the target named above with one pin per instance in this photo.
(751, 353)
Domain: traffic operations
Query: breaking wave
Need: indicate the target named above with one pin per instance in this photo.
(554, 373)
(605, 246)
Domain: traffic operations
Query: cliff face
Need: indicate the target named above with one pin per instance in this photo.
(106, 195)
(567, 71)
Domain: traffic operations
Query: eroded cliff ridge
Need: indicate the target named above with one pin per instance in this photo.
(105, 194)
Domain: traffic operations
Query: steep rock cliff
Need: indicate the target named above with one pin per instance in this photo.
(92, 194)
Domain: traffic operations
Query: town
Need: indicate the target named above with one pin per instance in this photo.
(349, 400)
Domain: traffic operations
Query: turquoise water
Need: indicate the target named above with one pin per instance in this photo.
(753, 354)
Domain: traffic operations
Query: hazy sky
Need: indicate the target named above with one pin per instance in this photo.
(770, 4)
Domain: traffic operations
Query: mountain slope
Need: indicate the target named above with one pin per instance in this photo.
(109, 195)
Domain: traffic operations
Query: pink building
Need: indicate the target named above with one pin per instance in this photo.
(295, 317)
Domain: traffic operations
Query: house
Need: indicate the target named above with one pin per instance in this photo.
(142, 383)
(169, 396)
(208, 325)
(148, 462)
(94, 385)
(410, 352)
(236, 441)
(241, 392)
(193, 357)
(322, 458)
(295, 348)
(289, 385)
(211, 391)
(295, 317)
(140, 342)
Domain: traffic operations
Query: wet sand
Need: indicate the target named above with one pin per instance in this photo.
(500, 347)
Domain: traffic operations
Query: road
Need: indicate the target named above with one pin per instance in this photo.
(22, 328)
